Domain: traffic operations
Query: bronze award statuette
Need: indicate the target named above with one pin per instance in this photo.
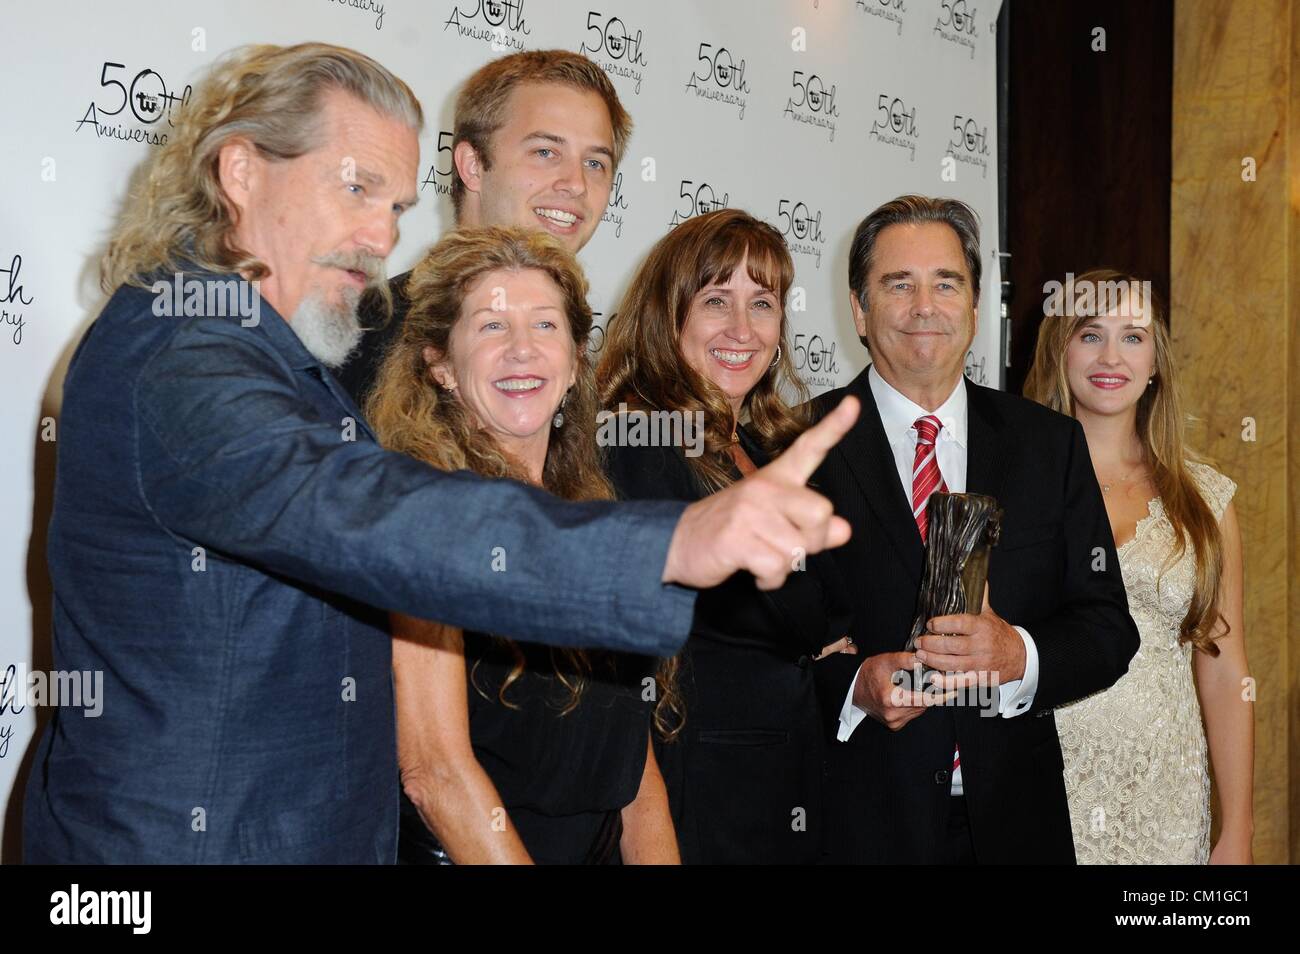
(961, 529)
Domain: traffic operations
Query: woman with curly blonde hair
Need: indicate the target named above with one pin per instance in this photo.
(1135, 754)
(511, 752)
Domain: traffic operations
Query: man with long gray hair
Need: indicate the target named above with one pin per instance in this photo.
(226, 530)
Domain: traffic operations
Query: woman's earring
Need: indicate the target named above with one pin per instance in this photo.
(1150, 381)
(558, 420)
(776, 360)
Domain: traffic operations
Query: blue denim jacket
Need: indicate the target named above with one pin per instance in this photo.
(223, 524)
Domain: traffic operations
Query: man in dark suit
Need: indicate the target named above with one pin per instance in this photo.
(978, 779)
(537, 137)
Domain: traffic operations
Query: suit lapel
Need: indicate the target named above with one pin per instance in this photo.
(871, 461)
(986, 457)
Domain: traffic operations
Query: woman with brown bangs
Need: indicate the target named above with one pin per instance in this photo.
(1135, 754)
(699, 349)
(510, 752)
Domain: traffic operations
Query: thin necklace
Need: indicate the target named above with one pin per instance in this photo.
(1105, 488)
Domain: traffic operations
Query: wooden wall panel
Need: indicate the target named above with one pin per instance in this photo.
(1088, 150)
(1235, 311)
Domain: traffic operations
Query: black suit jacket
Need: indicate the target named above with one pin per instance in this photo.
(358, 375)
(1054, 572)
(744, 776)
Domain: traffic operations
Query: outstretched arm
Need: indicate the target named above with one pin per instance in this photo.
(233, 455)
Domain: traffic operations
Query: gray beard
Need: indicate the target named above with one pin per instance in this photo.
(330, 332)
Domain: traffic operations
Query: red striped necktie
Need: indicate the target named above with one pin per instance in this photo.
(926, 479)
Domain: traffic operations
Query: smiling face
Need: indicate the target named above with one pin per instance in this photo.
(552, 165)
(511, 359)
(1110, 358)
(731, 333)
(325, 221)
(921, 315)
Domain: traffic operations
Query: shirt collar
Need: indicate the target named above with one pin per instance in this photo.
(286, 340)
(898, 413)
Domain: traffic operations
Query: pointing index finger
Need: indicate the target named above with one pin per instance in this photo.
(806, 454)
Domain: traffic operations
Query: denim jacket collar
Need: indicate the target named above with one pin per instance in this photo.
(285, 340)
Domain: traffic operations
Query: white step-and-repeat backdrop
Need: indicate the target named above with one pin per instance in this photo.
(807, 113)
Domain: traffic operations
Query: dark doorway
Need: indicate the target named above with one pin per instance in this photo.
(1086, 148)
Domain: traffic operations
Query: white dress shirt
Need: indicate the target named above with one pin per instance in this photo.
(898, 415)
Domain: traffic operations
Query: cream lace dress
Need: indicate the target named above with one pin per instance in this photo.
(1135, 754)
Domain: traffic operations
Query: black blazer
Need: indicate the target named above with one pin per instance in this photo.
(744, 776)
(888, 792)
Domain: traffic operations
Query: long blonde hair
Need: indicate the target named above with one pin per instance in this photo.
(1160, 423)
(412, 413)
(270, 95)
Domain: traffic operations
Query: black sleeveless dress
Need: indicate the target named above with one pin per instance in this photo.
(563, 778)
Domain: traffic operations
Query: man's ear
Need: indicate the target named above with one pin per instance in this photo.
(469, 166)
(237, 172)
(440, 370)
(859, 316)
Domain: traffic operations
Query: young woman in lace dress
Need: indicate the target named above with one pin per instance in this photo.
(1136, 754)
